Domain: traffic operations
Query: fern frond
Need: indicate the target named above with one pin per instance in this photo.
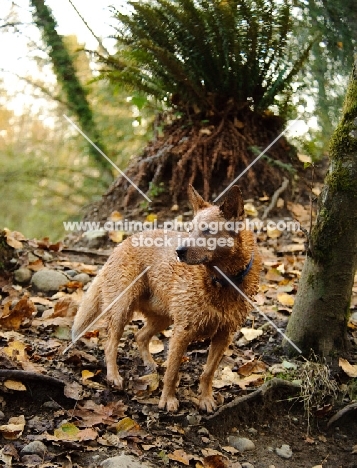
(208, 51)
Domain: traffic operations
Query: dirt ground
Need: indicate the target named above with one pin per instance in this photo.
(270, 421)
(64, 402)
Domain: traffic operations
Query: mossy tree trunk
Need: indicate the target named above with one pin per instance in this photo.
(321, 308)
(75, 93)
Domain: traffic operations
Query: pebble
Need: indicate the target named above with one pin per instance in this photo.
(48, 280)
(35, 447)
(82, 277)
(32, 258)
(22, 275)
(247, 465)
(51, 404)
(193, 419)
(284, 451)
(203, 431)
(252, 431)
(124, 461)
(32, 460)
(2, 415)
(71, 273)
(241, 443)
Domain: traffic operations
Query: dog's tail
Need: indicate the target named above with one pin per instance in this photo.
(89, 309)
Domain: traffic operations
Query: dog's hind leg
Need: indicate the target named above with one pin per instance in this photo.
(117, 320)
(219, 344)
(154, 324)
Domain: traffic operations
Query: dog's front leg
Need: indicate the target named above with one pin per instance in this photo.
(219, 344)
(178, 345)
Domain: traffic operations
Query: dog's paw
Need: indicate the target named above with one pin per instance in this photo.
(116, 381)
(207, 403)
(171, 404)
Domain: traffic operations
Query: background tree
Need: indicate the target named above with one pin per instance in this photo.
(66, 74)
(323, 84)
(320, 312)
(219, 66)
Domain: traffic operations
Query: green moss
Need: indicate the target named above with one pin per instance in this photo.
(341, 179)
(311, 280)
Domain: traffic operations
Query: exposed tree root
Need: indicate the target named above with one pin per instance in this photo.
(268, 395)
(343, 412)
(32, 376)
(209, 152)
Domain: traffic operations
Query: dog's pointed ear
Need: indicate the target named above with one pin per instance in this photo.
(196, 200)
(233, 204)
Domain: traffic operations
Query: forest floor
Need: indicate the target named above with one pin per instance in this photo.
(56, 410)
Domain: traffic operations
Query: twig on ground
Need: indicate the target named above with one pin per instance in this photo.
(24, 375)
(274, 198)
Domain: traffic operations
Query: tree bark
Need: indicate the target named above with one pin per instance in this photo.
(320, 313)
(74, 91)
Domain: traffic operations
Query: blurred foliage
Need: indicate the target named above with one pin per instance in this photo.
(47, 175)
(322, 86)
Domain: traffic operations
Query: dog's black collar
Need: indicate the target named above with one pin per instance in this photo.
(236, 279)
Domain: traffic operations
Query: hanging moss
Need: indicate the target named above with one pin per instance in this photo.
(66, 75)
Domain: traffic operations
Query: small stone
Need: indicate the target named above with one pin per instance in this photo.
(32, 460)
(40, 309)
(247, 465)
(71, 273)
(241, 443)
(35, 447)
(82, 278)
(48, 280)
(252, 431)
(22, 275)
(284, 451)
(124, 461)
(203, 431)
(51, 404)
(46, 256)
(193, 419)
(2, 415)
(32, 258)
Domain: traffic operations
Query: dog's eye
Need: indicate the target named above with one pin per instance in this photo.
(206, 231)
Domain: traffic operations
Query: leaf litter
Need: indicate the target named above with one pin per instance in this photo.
(85, 415)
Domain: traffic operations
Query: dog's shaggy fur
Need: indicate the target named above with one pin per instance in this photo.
(190, 294)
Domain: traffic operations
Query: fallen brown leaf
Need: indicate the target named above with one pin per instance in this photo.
(349, 369)
(12, 319)
(181, 456)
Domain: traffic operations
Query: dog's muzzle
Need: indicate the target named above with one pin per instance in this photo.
(181, 252)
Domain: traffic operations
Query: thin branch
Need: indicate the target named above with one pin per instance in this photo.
(41, 87)
(275, 197)
(90, 29)
(13, 24)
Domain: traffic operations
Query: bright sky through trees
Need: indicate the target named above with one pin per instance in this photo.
(16, 58)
